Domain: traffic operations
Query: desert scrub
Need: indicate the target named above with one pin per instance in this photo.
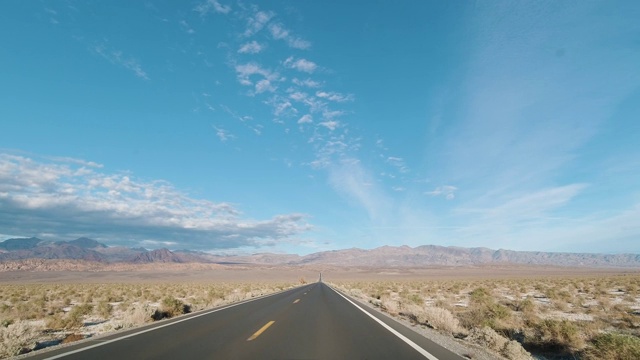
(567, 315)
(33, 309)
(613, 346)
(17, 338)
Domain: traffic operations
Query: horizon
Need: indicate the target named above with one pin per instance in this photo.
(224, 126)
(248, 253)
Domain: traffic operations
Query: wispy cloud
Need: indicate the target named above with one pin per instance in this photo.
(334, 96)
(65, 200)
(251, 47)
(300, 64)
(306, 82)
(331, 124)
(448, 191)
(257, 22)
(118, 58)
(305, 119)
(279, 32)
(223, 134)
(212, 6)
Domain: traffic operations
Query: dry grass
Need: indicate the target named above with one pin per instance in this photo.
(576, 316)
(44, 312)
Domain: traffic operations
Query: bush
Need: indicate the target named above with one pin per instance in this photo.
(16, 338)
(435, 317)
(562, 333)
(74, 319)
(614, 347)
(171, 307)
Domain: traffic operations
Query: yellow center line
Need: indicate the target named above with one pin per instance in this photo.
(296, 301)
(262, 329)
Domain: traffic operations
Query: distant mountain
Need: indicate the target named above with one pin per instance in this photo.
(87, 243)
(383, 257)
(20, 243)
(433, 255)
(160, 255)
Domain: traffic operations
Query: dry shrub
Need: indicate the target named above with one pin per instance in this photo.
(614, 347)
(137, 315)
(73, 319)
(562, 333)
(171, 307)
(490, 339)
(391, 306)
(435, 317)
(17, 338)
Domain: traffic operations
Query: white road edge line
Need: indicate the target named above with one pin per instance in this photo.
(159, 327)
(422, 351)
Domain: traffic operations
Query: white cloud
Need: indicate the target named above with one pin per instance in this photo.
(279, 32)
(186, 27)
(305, 119)
(65, 200)
(448, 191)
(331, 124)
(307, 82)
(264, 85)
(334, 96)
(298, 43)
(118, 58)
(223, 134)
(257, 22)
(252, 47)
(300, 64)
(398, 163)
(212, 6)
(246, 71)
(331, 114)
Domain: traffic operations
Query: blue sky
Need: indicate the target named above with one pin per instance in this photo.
(301, 126)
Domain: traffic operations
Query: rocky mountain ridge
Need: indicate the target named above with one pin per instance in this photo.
(386, 256)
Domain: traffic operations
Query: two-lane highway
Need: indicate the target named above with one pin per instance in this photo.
(308, 322)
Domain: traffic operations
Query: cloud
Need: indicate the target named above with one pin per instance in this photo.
(252, 47)
(211, 6)
(352, 180)
(334, 96)
(331, 124)
(307, 82)
(398, 163)
(447, 191)
(186, 27)
(65, 200)
(279, 32)
(302, 65)
(223, 134)
(264, 85)
(118, 58)
(305, 119)
(246, 71)
(257, 22)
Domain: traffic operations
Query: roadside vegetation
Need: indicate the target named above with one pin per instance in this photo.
(561, 318)
(39, 315)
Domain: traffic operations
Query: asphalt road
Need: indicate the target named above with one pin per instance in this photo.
(308, 322)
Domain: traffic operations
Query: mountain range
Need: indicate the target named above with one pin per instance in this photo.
(385, 256)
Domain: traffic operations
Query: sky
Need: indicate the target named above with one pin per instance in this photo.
(304, 126)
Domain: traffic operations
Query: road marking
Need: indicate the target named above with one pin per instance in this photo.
(262, 329)
(422, 351)
(160, 326)
(296, 301)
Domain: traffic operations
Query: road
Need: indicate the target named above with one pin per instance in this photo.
(308, 322)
